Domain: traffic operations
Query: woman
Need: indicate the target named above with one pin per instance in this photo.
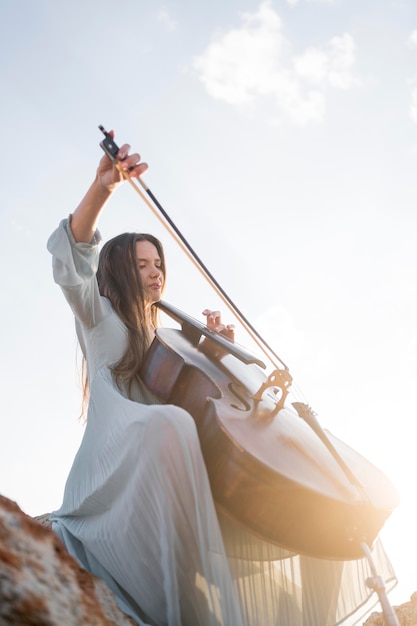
(137, 508)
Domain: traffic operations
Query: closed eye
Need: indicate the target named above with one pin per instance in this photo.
(143, 265)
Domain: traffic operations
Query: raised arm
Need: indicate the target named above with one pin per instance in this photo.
(85, 218)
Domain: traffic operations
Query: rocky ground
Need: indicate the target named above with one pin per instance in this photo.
(406, 614)
(41, 585)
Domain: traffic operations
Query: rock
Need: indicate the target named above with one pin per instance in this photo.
(406, 614)
(41, 584)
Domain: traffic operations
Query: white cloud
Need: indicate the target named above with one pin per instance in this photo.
(254, 62)
(341, 52)
(413, 38)
(312, 65)
(239, 65)
(164, 17)
(330, 65)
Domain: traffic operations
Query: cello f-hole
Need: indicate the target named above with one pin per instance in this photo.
(234, 389)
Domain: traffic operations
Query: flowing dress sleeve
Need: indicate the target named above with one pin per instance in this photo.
(74, 267)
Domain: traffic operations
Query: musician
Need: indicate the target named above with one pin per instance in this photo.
(137, 508)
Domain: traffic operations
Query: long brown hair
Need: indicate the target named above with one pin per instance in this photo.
(119, 280)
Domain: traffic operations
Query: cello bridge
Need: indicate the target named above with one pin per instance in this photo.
(278, 379)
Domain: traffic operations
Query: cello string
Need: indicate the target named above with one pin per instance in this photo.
(166, 221)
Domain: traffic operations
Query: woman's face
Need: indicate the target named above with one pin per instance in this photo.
(149, 265)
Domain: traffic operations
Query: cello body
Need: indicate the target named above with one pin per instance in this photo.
(269, 471)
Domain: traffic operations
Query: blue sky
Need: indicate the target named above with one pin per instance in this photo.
(282, 140)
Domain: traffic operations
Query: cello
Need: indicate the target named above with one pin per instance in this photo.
(261, 461)
(273, 469)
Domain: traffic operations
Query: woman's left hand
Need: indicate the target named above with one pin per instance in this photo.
(214, 322)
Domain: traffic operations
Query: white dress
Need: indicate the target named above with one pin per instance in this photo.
(138, 511)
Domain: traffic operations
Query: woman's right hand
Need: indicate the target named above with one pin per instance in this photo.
(84, 220)
(108, 174)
